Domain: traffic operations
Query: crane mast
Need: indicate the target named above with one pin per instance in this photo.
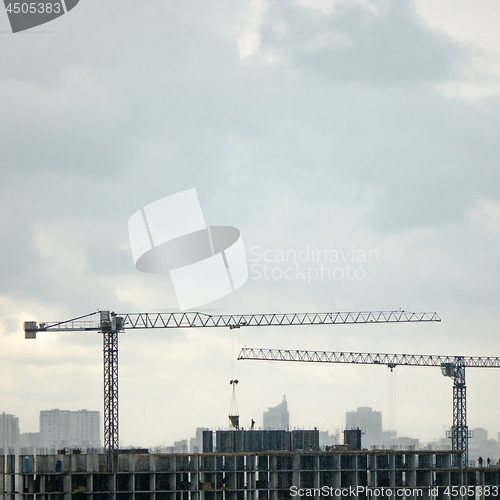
(451, 366)
(110, 324)
(110, 329)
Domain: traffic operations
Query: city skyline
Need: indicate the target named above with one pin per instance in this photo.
(375, 434)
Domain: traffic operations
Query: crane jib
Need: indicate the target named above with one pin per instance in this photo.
(248, 353)
(202, 320)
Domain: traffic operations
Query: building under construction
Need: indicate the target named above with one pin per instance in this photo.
(238, 441)
(252, 466)
(240, 475)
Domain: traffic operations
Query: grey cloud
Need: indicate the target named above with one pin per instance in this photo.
(390, 47)
(105, 258)
(177, 110)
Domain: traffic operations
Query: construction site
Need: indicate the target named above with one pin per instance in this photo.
(250, 249)
(254, 464)
(244, 475)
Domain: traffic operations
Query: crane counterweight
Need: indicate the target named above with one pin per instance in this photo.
(30, 329)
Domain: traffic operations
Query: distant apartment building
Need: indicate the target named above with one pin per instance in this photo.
(479, 434)
(370, 423)
(181, 446)
(481, 446)
(29, 441)
(69, 429)
(9, 431)
(405, 443)
(196, 443)
(277, 417)
(85, 429)
(325, 439)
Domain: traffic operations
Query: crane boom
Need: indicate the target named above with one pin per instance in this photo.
(110, 323)
(391, 360)
(451, 366)
(202, 320)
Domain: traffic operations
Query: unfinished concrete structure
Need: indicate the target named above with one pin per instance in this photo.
(237, 441)
(208, 476)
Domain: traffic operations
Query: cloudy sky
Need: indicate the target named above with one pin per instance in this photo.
(334, 125)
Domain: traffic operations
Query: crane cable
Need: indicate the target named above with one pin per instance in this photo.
(392, 403)
(234, 414)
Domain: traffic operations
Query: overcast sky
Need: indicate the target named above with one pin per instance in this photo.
(347, 126)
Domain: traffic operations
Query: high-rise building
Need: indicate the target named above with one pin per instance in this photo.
(370, 423)
(85, 429)
(54, 429)
(9, 431)
(69, 429)
(277, 417)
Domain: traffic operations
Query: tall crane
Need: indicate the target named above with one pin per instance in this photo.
(110, 324)
(451, 366)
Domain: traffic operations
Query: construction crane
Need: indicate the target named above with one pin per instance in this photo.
(110, 324)
(451, 366)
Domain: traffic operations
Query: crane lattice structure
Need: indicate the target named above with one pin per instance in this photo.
(451, 366)
(110, 324)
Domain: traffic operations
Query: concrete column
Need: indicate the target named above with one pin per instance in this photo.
(11, 470)
(273, 474)
(112, 486)
(296, 470)
(42, 483)
(67, 486)
(392, 466)
(372, 465)
(316, 471)
(2, 474)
